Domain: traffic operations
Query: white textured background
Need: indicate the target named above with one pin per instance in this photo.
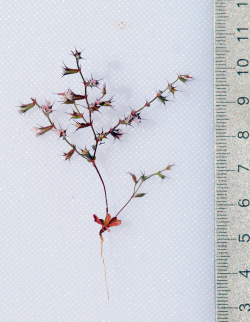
(160, 260)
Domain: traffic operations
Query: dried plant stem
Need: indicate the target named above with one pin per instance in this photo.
(63, 138)
(130, 198)
(125, 205)
(135, 190)
(106, 199)
(93, 162)
(96, 145)
(104, 268)
(140, 109)
(79, 112)
(86, 97)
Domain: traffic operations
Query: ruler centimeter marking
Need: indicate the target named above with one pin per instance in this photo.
(232, 159)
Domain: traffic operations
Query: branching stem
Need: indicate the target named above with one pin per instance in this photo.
(142, 179)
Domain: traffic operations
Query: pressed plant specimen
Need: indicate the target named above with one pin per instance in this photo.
(83, 117)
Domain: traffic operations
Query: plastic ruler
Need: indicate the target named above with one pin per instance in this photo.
(232, 159)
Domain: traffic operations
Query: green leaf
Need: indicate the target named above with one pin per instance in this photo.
(140, 195)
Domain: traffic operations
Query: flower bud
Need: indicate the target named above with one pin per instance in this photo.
(161, 98)
(143, 177)
(104, 90)
(69, 154)
(78, 97)
(82, 125)
(77, 54)
(184, 78)
(25, 107)
(161, 175)
(133, 177)
(66, 70)
(41, 130)
(106, 103)
(116, 133)
(171, 88)
(102, 136)
(75, 115)
(85, 152)
(169, 167)
(187, 76)
(87, 155)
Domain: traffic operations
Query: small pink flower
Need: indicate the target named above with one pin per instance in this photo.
(137, 119)
(47, 109)
(92, 83)
(41, 130)
(34, 129)
(60, 133)
(69, 97)
(128, 119)
(93, 107)
(133, 117)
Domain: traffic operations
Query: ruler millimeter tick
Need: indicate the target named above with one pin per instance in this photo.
(232, 159)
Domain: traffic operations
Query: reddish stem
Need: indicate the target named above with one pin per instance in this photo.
(133, 195)
(125, 205)
(93, 162)
(86, 97)
(148, 102)
(96, 145)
